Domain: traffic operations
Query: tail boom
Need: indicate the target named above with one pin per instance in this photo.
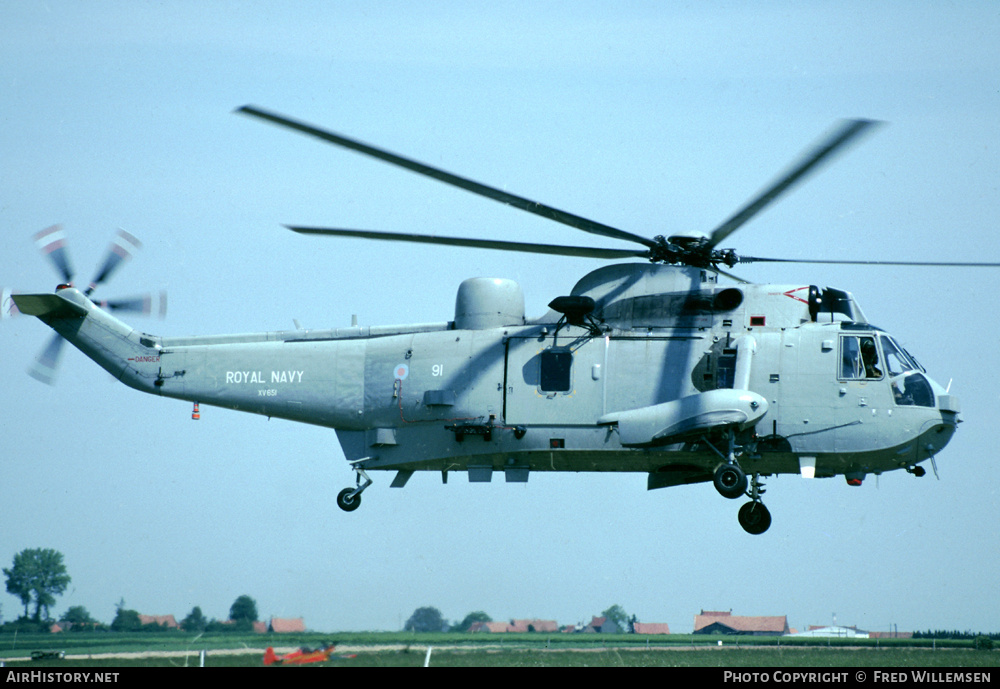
(118, 348)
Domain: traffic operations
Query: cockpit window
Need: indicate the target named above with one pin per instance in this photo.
(912, 389)
(859, 358)
(896, 359)
(909, 388)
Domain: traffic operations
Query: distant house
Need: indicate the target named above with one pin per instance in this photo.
(890, 635)
(602, 625)
(534, 626)
(489, 627)
(515, 626)
(720, 622)
(650, 628)
(167, 621)
(286, 626)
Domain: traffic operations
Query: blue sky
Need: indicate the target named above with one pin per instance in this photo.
(651, 117)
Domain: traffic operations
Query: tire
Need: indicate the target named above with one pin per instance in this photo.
(730, 481)
(755, 518)
(346, 503)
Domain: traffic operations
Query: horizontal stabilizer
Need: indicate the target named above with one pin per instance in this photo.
(48, 306)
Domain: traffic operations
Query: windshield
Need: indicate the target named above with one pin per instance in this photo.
(908, 386)
(896, 359)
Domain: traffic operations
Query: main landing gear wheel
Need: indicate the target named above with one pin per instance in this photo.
(349, 499)
(754, 518)
(730, 481)
(347, 502)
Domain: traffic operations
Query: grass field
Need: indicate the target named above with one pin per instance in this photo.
(97, 650)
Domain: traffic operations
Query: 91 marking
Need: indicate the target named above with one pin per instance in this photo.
(437, 370)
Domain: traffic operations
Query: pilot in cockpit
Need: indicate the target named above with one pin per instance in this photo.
(869, 357)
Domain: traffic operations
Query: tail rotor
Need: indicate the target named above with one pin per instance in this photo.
(52, 243)
(121, 249)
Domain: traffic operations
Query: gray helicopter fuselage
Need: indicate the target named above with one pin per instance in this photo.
(642, 382)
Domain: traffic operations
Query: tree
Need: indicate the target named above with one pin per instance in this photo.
(425, 619)
(38, 575)
(126, 621)
(617, 615)
(470, 619)
(244, 609)
(195, 621)
(79, 618)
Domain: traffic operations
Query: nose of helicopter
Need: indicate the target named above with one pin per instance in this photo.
(937, 431)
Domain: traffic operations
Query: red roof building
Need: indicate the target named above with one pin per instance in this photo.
(286, 626)
(602, 625)
(650, 628)
(534, 626)
(716, 622)
(515, 626)
(489, 627)
(167, 621)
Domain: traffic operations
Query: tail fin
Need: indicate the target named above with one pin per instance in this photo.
(269, 657)
(102, 337)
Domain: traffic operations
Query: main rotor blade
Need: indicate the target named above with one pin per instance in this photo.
(947, 264)
(848, 131)
(553, 249)
(52, 242)
(449, 178)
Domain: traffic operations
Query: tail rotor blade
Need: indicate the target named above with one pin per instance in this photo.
(122, 248)
(146, 304)
(45, 366)
(52, 242)
(7, 306)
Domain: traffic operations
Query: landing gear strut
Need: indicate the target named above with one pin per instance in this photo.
(754, 517)
(349, 499)
(731, 482)
(729, 479)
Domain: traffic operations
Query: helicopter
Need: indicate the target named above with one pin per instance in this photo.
(647, 366)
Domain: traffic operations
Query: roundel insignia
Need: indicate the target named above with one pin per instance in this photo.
(401, 371)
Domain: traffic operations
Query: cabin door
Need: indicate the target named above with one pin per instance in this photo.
(555, 380)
